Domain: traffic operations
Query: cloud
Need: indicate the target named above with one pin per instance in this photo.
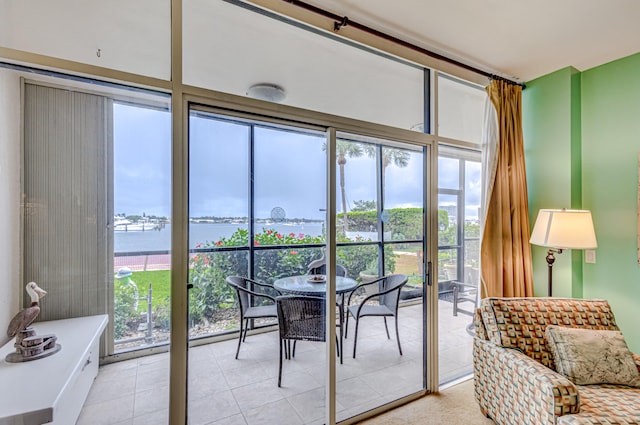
(289, 170)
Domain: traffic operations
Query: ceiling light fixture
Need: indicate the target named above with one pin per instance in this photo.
(268, 92)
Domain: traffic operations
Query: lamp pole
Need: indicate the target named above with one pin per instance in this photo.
(551, 258)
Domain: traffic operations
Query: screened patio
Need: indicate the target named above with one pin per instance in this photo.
(223, 390)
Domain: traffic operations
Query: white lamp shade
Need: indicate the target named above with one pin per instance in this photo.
(564, 229)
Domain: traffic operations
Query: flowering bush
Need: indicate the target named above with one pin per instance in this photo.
(209, 269)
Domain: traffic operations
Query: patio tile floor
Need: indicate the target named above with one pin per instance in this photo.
(223, 390)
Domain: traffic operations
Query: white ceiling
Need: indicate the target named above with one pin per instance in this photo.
(229, 48)
(514, 38)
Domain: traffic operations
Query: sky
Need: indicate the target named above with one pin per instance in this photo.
(289, 170)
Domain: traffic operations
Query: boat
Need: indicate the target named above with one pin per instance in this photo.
(124, 225)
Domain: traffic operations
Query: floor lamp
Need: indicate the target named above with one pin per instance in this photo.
(560, 230)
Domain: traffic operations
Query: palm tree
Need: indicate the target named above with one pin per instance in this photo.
(399, 157)
(345, 149)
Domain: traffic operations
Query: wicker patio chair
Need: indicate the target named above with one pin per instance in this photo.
(388, 297)
(246, 290)
(300, 318)
(322, 269)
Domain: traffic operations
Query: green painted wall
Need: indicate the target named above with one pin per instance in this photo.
(610, 146)
(582, 141)
(551, 126)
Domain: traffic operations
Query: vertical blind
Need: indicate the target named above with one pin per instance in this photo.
(66, 246)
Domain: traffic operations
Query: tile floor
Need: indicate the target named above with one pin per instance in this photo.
(226, 391)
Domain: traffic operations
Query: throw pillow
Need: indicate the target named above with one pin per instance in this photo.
(588, 356)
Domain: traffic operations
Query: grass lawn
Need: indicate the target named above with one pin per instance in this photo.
(161, 281)
(161, 287)
(406, 264)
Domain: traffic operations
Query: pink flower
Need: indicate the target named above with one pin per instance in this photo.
(256, 243)
(196, 258)
(278, 235)
(292, 235)
(300, 235)
(219, 243)
(269, 231)
(294, 253)
(198, 245)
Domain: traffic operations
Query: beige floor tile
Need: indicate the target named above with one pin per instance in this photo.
(278, 412)
(251, 373)
(231, 420)
(226, 391)
(257, 394)
(354, 391)
(210, 409)
(155, 418)
(108, 412)
(203, 384)
(104, 390)
(153, 378)
(151, 400)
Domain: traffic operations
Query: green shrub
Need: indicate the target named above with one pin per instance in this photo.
(404, 223)
(125, 301)
(162, 314)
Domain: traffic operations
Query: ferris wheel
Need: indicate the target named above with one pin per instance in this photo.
(278, 214)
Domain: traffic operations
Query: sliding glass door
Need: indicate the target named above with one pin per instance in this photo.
(381, 228)
(256, 209)
(258, 232)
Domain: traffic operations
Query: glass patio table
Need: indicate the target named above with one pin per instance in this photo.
(316, 285)
(310, 284)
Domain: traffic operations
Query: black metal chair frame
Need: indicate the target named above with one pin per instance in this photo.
(467, 290)
(388, 305)
(322, 269)
(464, 292)
(247, 311)
(340, 271)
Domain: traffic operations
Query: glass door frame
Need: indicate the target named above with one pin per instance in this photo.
(250, 108)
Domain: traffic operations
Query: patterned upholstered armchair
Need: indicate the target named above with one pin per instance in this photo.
(516, 381)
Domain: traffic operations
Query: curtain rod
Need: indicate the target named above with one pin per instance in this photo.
(343, 21)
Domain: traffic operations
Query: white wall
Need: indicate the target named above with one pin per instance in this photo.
(132, 36)
(316, 72)
(9, 198)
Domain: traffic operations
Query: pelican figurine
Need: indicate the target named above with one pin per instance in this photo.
(26, 316)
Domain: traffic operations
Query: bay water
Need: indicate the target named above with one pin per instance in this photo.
(160, 240)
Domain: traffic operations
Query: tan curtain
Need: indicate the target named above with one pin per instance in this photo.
(505, 251)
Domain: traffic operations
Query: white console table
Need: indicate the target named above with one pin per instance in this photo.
(52, 389)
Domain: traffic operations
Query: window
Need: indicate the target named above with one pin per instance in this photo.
(97, 207)
(141, 205)
(460, 110)
(460, 106)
